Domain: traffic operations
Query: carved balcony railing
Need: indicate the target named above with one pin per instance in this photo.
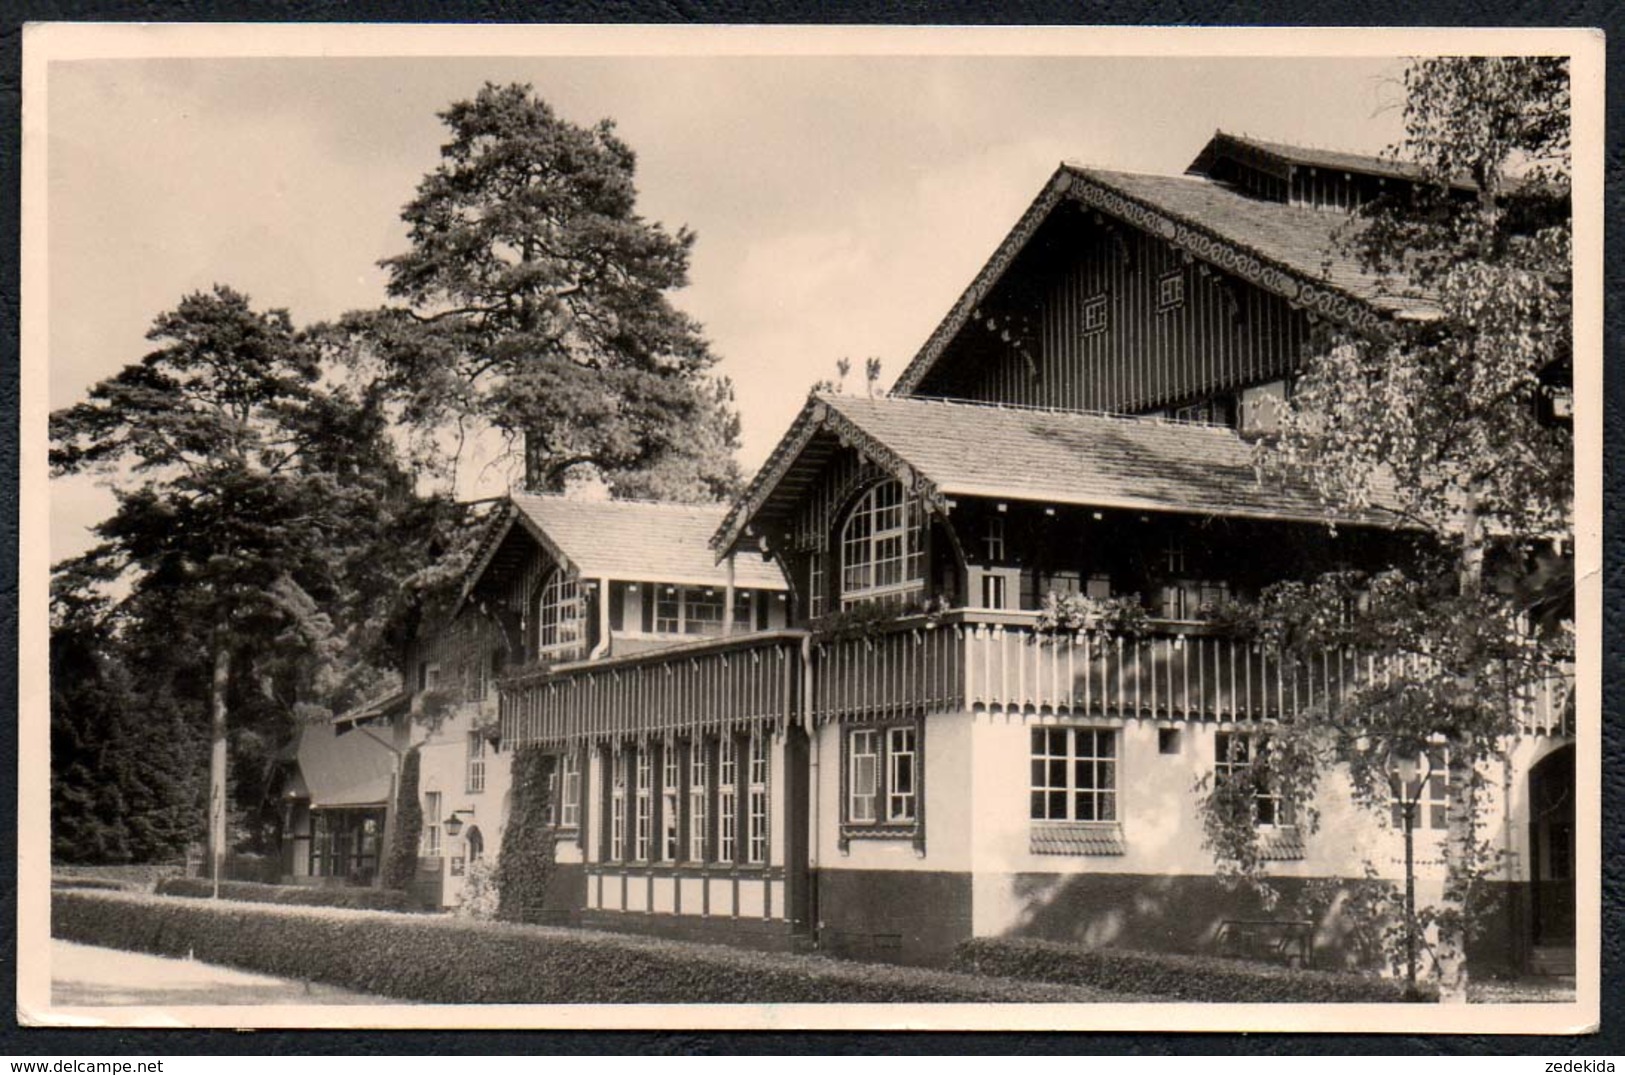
(984, 661)
(702, 687)
(1186, 671)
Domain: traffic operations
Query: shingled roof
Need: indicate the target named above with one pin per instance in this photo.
(1299, 239)
(636, 539)
(953, 449)
(1288, 250)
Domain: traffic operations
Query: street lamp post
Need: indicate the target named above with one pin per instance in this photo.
(1404, 766)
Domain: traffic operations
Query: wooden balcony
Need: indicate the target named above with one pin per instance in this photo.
(697, 687)
(968, 659)
(1181, 671)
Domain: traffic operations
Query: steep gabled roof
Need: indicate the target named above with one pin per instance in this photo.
(640, 539)
(1284, 249)
(635, 540)
(949, 449)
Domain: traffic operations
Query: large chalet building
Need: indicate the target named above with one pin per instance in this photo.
(904, 753)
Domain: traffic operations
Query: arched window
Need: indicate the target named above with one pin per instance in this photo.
(474, 844)
(881, 558)
(558, 617)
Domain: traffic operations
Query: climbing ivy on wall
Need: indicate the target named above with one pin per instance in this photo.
(525, 865)
(402, 865)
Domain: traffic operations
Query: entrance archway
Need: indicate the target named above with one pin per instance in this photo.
(1551, 848)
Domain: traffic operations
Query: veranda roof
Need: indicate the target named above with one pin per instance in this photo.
(640, 539)
(952, 449)
(634, 540)
(342, 767)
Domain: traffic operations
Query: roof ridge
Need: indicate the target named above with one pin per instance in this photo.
(634, 501)
(1032, 408)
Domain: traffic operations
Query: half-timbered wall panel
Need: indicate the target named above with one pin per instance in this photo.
(1104, 334)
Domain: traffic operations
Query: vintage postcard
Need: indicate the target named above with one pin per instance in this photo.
(831, 527)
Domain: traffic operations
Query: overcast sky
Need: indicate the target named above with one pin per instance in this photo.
(841, 204)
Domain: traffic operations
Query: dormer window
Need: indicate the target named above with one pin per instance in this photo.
(558, 618)
(881, 557)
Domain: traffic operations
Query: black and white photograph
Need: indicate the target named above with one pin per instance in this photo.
(837, 528)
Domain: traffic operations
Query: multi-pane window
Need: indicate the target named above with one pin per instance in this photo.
(1242, 756)
(881, 557)
(671, 802)
(1185, 600)
(643, 800)
(882, 775)
(698, 610)
(817, 583)
(1432, 802)
(699, 789)
(617, 806)
(727, 798)
(756, 845)
(1074, 774)
(900, 772)
(863, 774)
(564, 791)
(993, 539)
(476, 762)
(431, 824)
(558, 617)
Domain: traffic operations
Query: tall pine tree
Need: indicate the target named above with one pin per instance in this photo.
(537, 304)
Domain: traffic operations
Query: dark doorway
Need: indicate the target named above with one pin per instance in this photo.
(1551, 847)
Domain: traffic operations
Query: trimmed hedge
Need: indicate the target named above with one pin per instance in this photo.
(106, 884)
(1170, 976)
(362, 899)
(449, 960)
(142, 876)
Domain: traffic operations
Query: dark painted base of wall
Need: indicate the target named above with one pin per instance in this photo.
(904, 916)
(1184, 913)
(566, 895)
(768, 935)
(897, 916)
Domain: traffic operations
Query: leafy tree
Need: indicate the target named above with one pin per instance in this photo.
(536, 305)
(256, 504)
(1458, 422)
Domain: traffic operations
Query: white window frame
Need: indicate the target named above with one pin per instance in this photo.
(817, 584)
(875, 759)
(566, 802)
(1062, 773)
(560, 626)
(643, 805)
(882, 535)
(671, 803)
(759, 769)
(727, 798)
(432, 806)
(699, 789)
(1274, 809)
(474, 767)
(617, 805)
(1432, 808)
